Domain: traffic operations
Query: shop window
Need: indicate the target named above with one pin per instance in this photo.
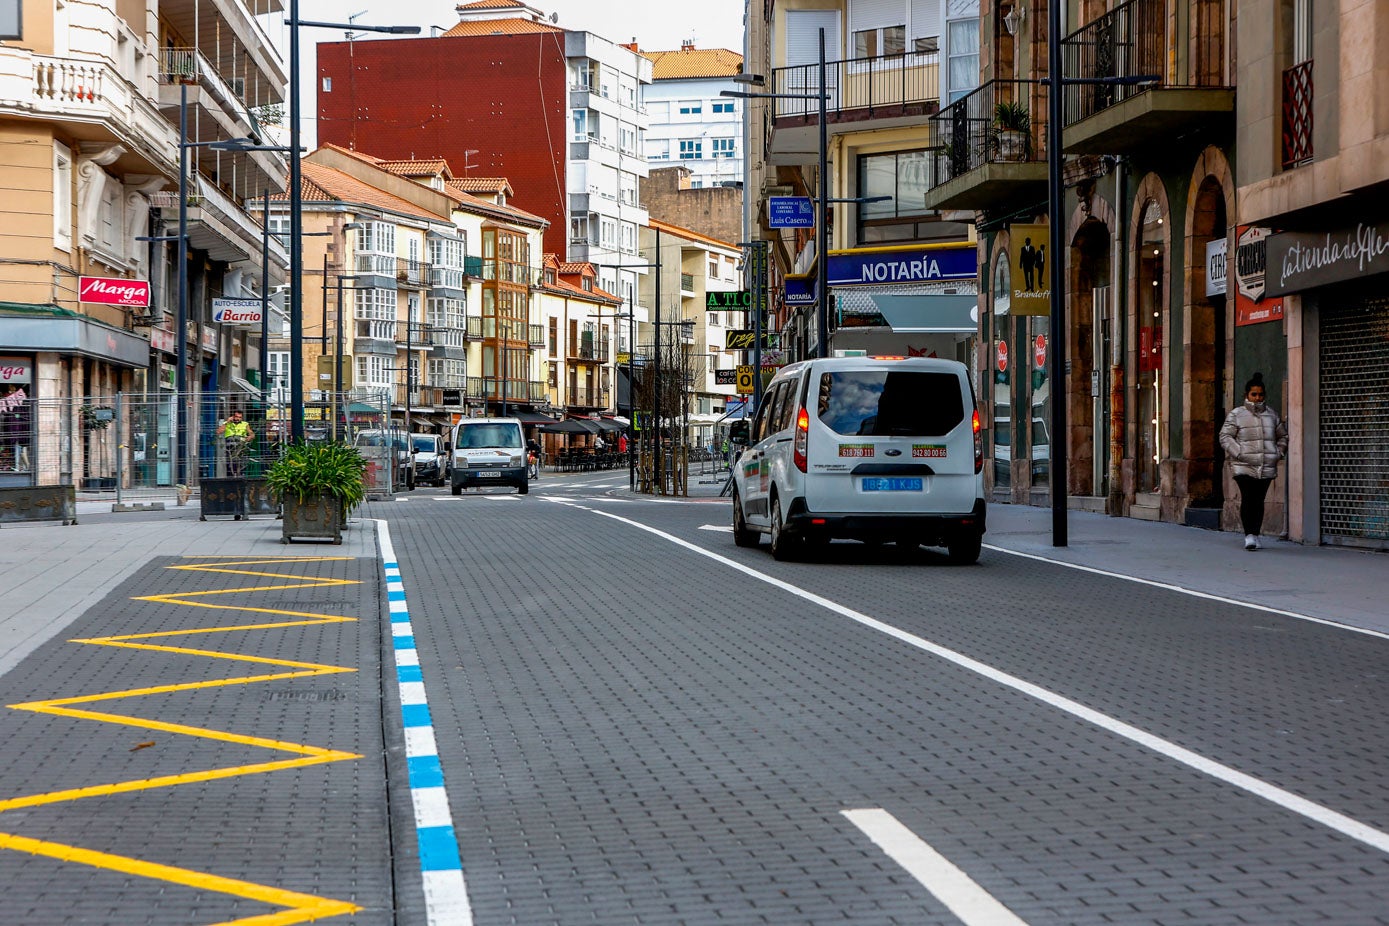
(1151, 263)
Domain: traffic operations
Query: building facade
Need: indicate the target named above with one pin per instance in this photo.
(556, 112)
(895, 269)
(690, 123)
(97, 104)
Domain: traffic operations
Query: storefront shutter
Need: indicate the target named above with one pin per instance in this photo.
(925, 20)
(875, 14)
(1354, 415)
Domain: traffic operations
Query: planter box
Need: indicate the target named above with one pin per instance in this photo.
(259, 499)
(38, 503)
(222, 497)
(319, 518)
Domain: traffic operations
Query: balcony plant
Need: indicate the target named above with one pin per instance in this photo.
(1012, 132)
(318, 484)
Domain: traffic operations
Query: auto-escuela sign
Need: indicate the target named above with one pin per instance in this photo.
(930, 263)
(1252, 305)
(244, 313)
(113, 291)
(1303, 260)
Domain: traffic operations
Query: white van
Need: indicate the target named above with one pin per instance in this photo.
(431, 462)
(862, 448)
(489, 451)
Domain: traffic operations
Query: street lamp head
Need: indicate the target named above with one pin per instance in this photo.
(756, 80)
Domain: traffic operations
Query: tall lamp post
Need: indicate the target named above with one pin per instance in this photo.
(296, 218)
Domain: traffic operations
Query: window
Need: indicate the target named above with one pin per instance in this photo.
(888, 40)
(627, 139)
(926, 45)
(903, 175)
(607, 233)
(658, 149)
(726, 107)
(10, 20)
(691, 149)
(554, 337)
(691, 107)
(889, 402)
(62, 196)
(713, 266)
(629, 237)
(579, 229)
(962, 69)
(277, 374)
(110, 219)
(724, 147)
(579, 118)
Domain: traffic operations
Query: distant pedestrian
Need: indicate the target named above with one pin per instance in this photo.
(1254, 439)
(237, 435)
(622, 443)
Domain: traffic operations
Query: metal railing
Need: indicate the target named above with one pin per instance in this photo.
(1129, 40)
(127, 445)
(884, 82)
(970, 134)
(1297, 115)
(537, 335)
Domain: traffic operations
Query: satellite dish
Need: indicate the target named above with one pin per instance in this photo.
(554, 17)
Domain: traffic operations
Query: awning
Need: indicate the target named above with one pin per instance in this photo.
(246, 386)
(571, 426)
(533, 418)
(608, 424)
(928, 313)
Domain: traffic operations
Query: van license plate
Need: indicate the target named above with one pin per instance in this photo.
(488, 472)
(892, 483)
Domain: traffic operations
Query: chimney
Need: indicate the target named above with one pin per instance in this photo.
(687, 45)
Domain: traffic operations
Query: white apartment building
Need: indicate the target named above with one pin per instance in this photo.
(691, 124)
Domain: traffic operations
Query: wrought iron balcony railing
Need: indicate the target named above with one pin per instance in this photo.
(991, 124)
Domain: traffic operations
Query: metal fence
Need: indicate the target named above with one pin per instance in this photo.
(145, 444)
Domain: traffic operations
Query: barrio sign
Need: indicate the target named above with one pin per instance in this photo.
(245, 313)
(113, 291)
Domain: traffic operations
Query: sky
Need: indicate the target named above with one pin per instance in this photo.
(657, 25)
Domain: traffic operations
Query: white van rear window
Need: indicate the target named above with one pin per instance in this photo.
(908, 403)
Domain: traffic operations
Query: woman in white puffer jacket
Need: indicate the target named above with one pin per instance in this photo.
(1254, 439)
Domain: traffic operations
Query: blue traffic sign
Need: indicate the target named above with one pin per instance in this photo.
(790, 212)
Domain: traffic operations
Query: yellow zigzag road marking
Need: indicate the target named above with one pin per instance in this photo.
(300, 907)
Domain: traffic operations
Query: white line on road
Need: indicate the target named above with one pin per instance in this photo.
(716, 527)
(951, 886)
(1193, 592)
(1347, 826)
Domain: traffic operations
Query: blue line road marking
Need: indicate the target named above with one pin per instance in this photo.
(441, 867)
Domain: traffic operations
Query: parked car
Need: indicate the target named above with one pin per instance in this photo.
(863, 448)
(489, 451)
(431, 461)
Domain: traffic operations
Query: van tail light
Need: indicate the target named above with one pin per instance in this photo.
(978, 445)
(802, 439)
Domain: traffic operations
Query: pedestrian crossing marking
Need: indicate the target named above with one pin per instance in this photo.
(299, 907)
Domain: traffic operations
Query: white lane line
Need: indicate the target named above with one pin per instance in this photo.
(724, 528)
(967, 900)
(1347, 826)
(1194, 593)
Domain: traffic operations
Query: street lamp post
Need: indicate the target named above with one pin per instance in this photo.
(296, 218)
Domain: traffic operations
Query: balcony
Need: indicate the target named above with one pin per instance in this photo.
(1297, 115)
(591, 350)
(584, 397)
(1131, 41)
(868, 93)
(412, 274)
(981, 165)
(93, 101)
(519, 391)
(447, 278)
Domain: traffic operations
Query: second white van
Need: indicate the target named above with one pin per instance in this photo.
(863, 448)
(489, 451)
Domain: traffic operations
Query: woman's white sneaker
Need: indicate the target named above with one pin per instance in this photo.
(1251, 542)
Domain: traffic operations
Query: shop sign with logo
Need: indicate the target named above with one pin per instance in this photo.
(1303, 260)
(746, 339)
(733, 299)
(243, 313)
(1215, 266)
(162, 339)
(932, 263)
(1252, 302)
(1029, 270)
(210, 339)
(114, 291)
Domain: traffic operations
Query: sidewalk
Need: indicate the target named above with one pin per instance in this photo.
(51, 574)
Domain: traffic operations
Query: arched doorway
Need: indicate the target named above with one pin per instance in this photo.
(1203, 398)
(1093, 334)
(1147, 469)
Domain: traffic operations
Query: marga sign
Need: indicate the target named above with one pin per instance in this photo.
(113, 291)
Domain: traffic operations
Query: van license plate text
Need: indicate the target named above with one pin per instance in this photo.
(488, 472)
(892, 483)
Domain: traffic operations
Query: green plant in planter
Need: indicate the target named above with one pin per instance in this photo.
(313, 470)
(1012, 131)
